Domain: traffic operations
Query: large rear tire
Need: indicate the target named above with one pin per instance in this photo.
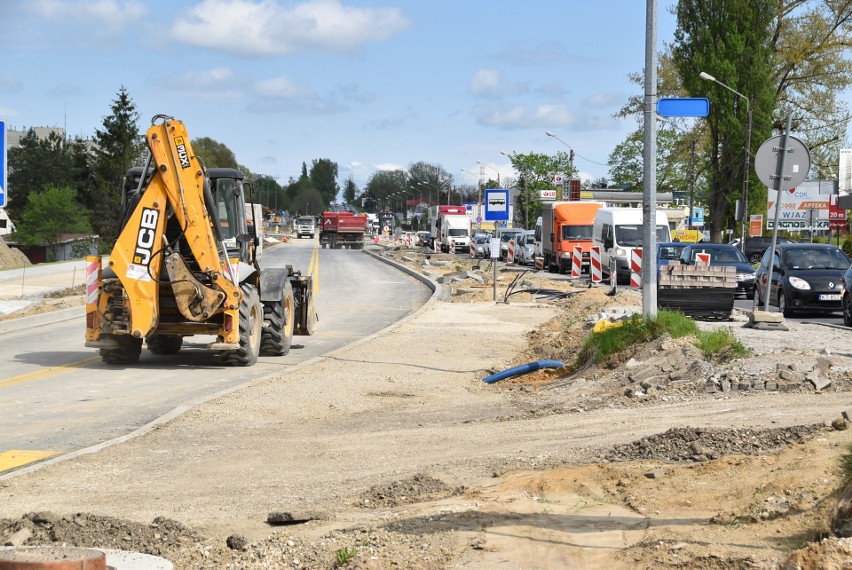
(279, 320)
(251, 324)
(127, 353)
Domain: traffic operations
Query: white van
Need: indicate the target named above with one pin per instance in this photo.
(617, 231)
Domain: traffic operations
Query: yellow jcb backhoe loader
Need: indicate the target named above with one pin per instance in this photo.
(185, 264)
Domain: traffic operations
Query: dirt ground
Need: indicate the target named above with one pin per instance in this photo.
(645, 461)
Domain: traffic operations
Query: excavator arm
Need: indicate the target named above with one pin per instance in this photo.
(177, 188)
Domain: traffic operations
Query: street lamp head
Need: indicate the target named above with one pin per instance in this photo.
(706, 76)
(549, 133)
(504, 153)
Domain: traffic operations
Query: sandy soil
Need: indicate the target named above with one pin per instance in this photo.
(394, 453)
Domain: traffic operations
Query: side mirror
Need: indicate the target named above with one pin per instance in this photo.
(608, 242)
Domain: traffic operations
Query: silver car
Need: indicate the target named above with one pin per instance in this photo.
(526, 248)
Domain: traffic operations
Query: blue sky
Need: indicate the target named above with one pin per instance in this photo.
(369, 84)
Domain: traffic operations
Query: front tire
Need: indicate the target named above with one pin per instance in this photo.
(847, 310)
(784, 306)
(278, 324)
(251, 324)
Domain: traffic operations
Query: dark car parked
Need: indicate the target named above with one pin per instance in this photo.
(805, 277)
(756, 246)
(724, 254)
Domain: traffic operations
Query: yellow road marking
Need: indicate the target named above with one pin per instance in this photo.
(17, 457)
(313, 267)
(44, 373)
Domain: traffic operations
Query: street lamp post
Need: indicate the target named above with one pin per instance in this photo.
(570, 154)
(746, 153)
(480, 163)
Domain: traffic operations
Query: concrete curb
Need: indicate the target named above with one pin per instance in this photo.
(32, 321)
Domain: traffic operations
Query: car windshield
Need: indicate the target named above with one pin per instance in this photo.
(631, 236)
(530, 239)
(721, 256)
(815, 258)
(670, 251)
(577, 232)
(509, 236)
(455, 232)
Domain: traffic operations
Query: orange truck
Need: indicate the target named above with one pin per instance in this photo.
(565, 225)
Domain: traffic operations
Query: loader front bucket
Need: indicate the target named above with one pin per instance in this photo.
(307, 318)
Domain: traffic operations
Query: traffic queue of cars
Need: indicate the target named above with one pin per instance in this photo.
(805, 277)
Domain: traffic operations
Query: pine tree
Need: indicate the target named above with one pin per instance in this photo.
(118, 146)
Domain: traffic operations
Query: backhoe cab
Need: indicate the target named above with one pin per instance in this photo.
(185, 263)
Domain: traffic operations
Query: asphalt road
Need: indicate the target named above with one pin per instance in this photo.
(56, 396)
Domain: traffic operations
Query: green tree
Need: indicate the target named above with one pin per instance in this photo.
(350, 191)
(324, 178)
(215, 154)
(744, 61)
(33, 166)
(674, 163)
(811, 40)
(309, 201)
(118, 146)
(49, 214)
(432, 179)
(536, 172)
(381, 186)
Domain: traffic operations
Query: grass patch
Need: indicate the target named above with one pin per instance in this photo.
(720, 344)
(635, 330)
(344, 555)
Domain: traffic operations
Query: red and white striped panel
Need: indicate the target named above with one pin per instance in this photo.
(539, 262)
(437, 247)
(636, 267)
(92, 282)
(510, 253)
(472, 250)
(595, 264)
(577, 261)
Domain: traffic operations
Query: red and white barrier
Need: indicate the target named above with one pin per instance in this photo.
(595, 267)
(702, 258)
(539, 262)
(510, 252)
(636, 267)
(472, 250)
(577, 261)
(437, 246)
(92, 280)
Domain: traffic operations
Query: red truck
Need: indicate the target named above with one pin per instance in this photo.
(341, 229)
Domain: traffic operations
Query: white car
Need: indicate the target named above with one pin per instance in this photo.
(525, 254)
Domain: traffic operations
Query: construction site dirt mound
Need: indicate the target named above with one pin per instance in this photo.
(11, 257)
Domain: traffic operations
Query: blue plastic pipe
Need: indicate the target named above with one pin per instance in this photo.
(522, 369)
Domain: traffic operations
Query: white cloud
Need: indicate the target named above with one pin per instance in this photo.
(485, 82)
(605, 99)
(110, 15)
(283, 88)
(489, 84)
(9, 84)
(215, 83)
(265, 27)
(523, 116)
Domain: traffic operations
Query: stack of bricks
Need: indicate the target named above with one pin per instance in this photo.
(679, 276)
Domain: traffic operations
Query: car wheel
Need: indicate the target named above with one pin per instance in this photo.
(847, 310)
(783, 306)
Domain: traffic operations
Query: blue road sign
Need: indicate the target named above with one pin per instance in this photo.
(683, 107)
(496, 205)
(2, 164)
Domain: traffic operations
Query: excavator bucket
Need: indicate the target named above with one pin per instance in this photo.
(303, 297)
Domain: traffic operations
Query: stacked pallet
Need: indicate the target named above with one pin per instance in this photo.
(700, 290)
